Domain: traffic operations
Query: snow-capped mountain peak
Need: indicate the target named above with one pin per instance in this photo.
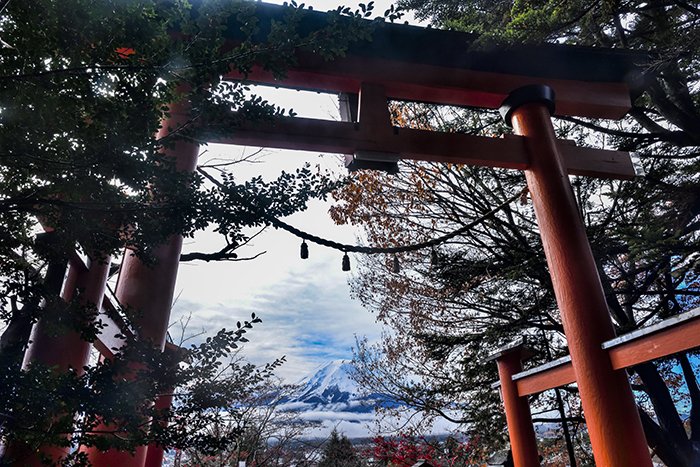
(331, 383)
(333, 400)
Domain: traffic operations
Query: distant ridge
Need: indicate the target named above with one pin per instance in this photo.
(332, 398)
(332, 389)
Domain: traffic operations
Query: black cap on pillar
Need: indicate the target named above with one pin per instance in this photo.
(384, 161)
(525, 95)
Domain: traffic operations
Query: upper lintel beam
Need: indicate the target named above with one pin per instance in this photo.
(449, 86)
(451, 67)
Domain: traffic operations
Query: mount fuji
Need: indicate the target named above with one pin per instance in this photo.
(331, 398)
(333, 385)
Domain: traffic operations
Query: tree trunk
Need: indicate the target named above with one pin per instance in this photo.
(694, 393)
(672, 443)
(659, 441)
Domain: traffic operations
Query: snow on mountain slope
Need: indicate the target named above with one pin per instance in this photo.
(332, 383)
(331, 387)
(332, 399)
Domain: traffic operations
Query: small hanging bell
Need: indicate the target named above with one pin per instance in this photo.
(396, 267)
(304, 253)
(434, 260)
(346, 262)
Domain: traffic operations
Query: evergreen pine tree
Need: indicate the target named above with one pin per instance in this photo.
(339, 452)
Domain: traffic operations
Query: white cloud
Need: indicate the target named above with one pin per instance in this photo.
(327, 415)
(307, 319)
(305, 305)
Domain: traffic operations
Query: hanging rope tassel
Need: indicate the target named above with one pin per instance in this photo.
(396, 267)
(346, 262)
(434, 260)
(304, 253)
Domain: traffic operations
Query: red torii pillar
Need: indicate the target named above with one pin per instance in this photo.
(149, 289)
(523, 443)
(154, 454)
(67, 350)
(613, 422)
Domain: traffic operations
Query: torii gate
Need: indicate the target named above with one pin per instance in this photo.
(529, 84)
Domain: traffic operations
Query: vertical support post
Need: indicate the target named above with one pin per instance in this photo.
(64, 351)
(149, 289)
(68, 350)
(374, 124)
(154, 455)
(521, 432)
(611, 414)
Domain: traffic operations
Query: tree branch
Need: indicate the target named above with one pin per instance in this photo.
(679, 138)
(694, 392)
(217, 256)
(686, 6)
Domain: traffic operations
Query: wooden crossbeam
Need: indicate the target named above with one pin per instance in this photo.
(373, 133)
(449, 67)
(308, 134)
(443, 85)
(560, 372)
(107, 342)
(674, 335)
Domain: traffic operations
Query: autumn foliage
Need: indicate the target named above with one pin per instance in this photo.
(406, 451)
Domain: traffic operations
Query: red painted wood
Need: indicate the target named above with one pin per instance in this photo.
(346, 138)
(154, 455)
(521, 432)
(68, 350)
(600, 163)
(442, 85)
(548, 379)
(307, 134)
(676, 337)
(662, 344)
(63, 351)
(149, 289)
(611, 414)
(373, 113)
(113, 326)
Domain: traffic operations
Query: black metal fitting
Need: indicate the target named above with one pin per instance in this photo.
(526, 95)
